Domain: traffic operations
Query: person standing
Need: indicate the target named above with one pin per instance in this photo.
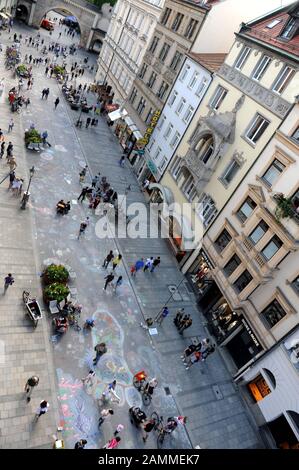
(118, 283)
(113, 443)
(88, 121)
(8, 281)
(110, 390)
(2, 149)
(108, 259)
(146, 427)
(9, 150)
(118, 430)
(56, 103)
(138, 265)
(47, 93)
(192, 359)
(83, 194)
(80, 444)
(185, 325)
(100, 349)
(116, 261)
(148, 263)
(88, 380)
(162, 315)
(30, 384)
(156, 263)
(109, 279)
(43, 93)
(42, 409)
(182, 320)
(83, 227)
(179, 316)
(11, 125)
(104, 415)
(122, 161)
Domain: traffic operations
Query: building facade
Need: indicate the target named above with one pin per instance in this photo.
(248, 99)
(129, 33)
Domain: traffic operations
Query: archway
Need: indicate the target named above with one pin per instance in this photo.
(22, 13)
(96, 46)
(61, 24)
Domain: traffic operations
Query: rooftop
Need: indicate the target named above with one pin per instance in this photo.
(211, 62)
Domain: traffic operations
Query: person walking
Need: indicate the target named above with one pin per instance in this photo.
(42, 409)
(118, 430)
(12, 177)
(88, 380)
(47, 93)
(83, 194)
(95, 180)
(185, 325)
(207, 352)
(118, 283)
(100, 349)
(12, 163)
(9, 150)
(80, 444)
(122, 161)
(110, 390)
(2, 149)
(138, 265)
(108, 259)
(11, 125)
(46, 70)
(56, 103)
(113, 443)
(162, 315)
(148, 263)
(82, 174)
(30, 384)
(179, 316)
(83, 227)
(88, 121)
(104, 415)
(109, 279)
(146, 427)
(182, 320)
(8, 281)
(156, 263)
(43, 93)
(116, 261)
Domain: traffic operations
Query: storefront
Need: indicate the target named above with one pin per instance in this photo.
(201, 281)
(127, 134)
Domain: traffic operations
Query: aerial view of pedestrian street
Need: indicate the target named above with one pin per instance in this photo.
(149, 224)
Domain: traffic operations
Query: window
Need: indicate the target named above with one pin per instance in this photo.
(259, 388)
(176, 61)
(164, 51)
(258, 232)
(152, 80)
(272, 247)
(161, 122)
(188, 188)
(162, 90)
(162, 164)
(143, 70)
(193, 80)
(295, 284)
(141, 106)
(184, 73)
(290, 28)
(230, 172)
(177, 21)
(201, 87)
(149, 116)
(242, 281)
(180, 106)
(272, 174)
(174, 141)
(273, 23)
(190, 28)
(133, 95)
(223, 240)
(157, 154)
(242, 57)
(173, 98)
(165, 16)
(246, 209)
(218, 97)
(188, 114)
(138, 54)
(154, 44)
(295, 135)
(207, 210)
(176, 167)
(261, 67)
(283, 79)
(232, 265)
(168, 131)
(257, 128)
(273, 313)
(207, 152)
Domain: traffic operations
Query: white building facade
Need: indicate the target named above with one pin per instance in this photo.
(129, 33)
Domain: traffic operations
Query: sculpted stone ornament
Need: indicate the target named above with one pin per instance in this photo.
(239, 104)
(238, 156)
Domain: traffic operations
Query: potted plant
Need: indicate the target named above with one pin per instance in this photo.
(58, 70)
(56, 291)
(32, 136)
(55, 273)
(22, 70)
(284, 207)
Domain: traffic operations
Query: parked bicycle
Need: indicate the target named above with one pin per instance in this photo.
(165, 429)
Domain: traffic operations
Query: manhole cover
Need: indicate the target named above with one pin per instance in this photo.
(167, 390)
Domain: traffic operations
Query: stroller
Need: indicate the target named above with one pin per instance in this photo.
(137, 416)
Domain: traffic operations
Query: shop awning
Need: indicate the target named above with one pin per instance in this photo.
(129, 121)
(118, 114)
(137, 134)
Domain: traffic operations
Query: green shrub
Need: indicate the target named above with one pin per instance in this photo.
(33, 136)
(58, 70)
(56, 291)
(55, 273)
(22, 69)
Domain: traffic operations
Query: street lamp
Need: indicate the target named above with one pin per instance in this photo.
(26, 194)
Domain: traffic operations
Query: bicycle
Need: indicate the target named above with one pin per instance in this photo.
(163, 431)
(139, 382)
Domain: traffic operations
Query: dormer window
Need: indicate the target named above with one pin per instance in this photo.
(273, 23)
(290, 28)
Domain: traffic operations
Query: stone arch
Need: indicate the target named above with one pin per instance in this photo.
(205, 146)
(22, 12)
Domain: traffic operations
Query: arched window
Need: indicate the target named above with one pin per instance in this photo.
(205, 148)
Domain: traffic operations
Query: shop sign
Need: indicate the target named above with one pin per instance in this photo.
(251, 334)
(145, 139)
(111, 107)
(207, 259)
(152, 166)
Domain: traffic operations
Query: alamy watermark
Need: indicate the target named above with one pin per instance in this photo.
(181, 222)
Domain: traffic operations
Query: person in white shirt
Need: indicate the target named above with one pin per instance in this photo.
(104, 415)
(148, 264)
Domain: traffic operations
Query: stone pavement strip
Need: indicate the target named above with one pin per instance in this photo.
(217, 417)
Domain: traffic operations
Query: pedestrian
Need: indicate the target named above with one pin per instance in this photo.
(189, 350)
(8, 281)
(192, 359)
(116, 261)
(46, 71)
(185, 325)
(113, 443)
(12, 163)
(80, 444)
(56, 103)
(145, 184)
(100, 349)
(179, 316)
(83, 227)
(43, 93)
(42, 409)
(156, 263)
(2, 149)
(146, 427)
(82, 174)
(118, 283)
(138, 265)
(88, 380)
(110, 390)
(47, 93)
(119, 429)
(83, 194)
(109, 279)
(27, 102)
(88, 120)
(122, 161)
(12, 176)
(104, 415)
(181, 322)
(207, 352)
(108, 259)
(94, 180)
(11, 125)
(30, 384)
(162, 315)
(44, 137)
(148, 264)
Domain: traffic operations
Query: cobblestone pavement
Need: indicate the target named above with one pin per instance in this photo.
(205, 393)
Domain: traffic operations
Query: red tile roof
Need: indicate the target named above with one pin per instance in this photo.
(269, 36)
(211, 62)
